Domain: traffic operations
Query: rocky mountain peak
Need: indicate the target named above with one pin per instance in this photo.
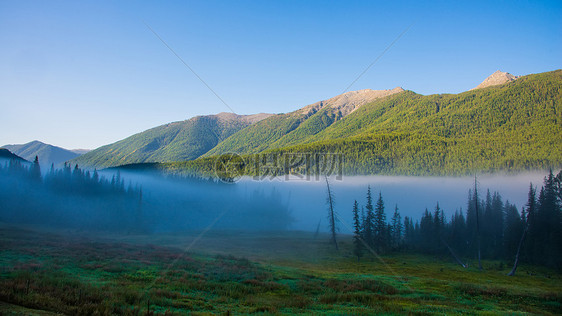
(497, 78)
(350, 101)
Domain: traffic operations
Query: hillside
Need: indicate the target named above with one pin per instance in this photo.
(292, 128)
(47, 154)
(176, 141)
(510, 126)
(515, 126)
(5, 154)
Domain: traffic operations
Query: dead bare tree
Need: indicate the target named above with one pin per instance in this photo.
(331, 214)
(459, 261)
(530, 210)
(512, 272)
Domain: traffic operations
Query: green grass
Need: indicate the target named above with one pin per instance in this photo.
(242, 273)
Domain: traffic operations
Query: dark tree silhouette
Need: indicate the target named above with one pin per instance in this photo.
(331, 215)
(531, 206)
(368, 223)
(357, 242)
(381, 241)
(476, 201)
(397, 228)
(35, 170)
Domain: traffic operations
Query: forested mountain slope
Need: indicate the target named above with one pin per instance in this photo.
(512, 127)
(47, 154)
(176, 141)
(6, 155)
(298, 126)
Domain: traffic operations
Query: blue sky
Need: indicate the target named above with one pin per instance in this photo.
(85, 74)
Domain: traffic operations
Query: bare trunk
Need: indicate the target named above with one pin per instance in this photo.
(454, 254)
(512, 273)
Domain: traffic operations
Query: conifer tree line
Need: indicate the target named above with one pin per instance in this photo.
(74, 198)
(67, 196)
(491, 227)
(68, 179)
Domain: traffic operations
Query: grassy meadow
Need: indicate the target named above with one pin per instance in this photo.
(207, 273)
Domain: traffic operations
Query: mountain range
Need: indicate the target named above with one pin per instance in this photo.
(47, 154)
(505, 123)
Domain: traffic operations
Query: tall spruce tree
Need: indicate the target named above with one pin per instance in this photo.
(35, 170)
(357, 242)
(397, 228)
(331, 214)
(513, 228)
(497, 226)
(368, 223)
(380, 227)
(476, 202)
(547, 224)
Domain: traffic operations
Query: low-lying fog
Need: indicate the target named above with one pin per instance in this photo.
(114, 201)
(306, 200)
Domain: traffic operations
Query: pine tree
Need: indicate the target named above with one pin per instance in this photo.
(397, 228)
(513, 229)
(331, 215)
(409, 237)
(426, 230)
(35, 170)
(380, 228)
(546, 224)
(357, 242)
(476, 211)
(498, 219)
(438, 227)
(95, 177)
(458, 232)
(368, 223)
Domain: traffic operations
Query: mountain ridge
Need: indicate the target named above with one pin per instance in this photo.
(47, 154)
(286, 128)
(359, 117)
(511, 127)
(180, 140)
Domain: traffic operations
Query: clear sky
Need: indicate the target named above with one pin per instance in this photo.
(84, 74)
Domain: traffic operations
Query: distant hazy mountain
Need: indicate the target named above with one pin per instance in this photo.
(176, 141)
(47, 154)
(5, 154)
(497, 78)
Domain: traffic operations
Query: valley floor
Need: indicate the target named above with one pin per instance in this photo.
(56, 272)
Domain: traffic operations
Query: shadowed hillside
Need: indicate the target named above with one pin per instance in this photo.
(5, 154)
(47, 154)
